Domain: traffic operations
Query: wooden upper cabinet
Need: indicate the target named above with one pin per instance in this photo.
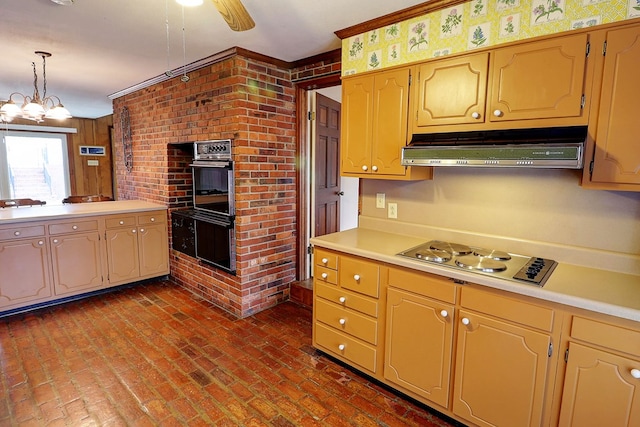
(539, 80)
(451, 91)
(357, 118)
(617, 147)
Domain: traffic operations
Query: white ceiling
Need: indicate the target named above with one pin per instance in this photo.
(100, 47)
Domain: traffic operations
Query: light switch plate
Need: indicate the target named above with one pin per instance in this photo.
(380, 200)
(393, 210)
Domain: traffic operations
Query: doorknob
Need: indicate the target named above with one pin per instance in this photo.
(340, 193)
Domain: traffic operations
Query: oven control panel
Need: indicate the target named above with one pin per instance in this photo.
(212, 150)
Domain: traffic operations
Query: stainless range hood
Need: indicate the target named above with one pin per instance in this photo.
(554, 148)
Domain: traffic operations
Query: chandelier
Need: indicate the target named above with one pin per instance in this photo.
(35, 107)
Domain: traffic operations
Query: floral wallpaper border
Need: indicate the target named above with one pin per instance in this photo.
(475, 24)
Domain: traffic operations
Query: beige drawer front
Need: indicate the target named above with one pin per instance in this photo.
(21, 232)
(350, 322)
(326, 259)
(347, 299)
(359, 275)
(121, 221)
(513, 310)
(603, 334)
(152, 218)
(424, 284)
(325, 275)
(73, 227)
(335, 342)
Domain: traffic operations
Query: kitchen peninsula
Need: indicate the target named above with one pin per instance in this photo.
(53, 253)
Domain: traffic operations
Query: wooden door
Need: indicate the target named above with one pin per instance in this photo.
(500, 373)
(418, 345)
(77, 264)
(327, 170)
(451, 91)
(539, 80)
(617, 155)
(389, 126)
(357, 117)
(599, 390)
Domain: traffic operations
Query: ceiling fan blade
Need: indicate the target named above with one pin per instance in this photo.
(235, 14)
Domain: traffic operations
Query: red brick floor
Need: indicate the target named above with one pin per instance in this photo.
(156, 355)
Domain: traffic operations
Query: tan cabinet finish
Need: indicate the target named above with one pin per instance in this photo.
(41, 261)
(602, 381)
(348, 322)
(616, 155)
(374, 126)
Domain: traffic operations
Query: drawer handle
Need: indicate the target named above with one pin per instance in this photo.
(324, 275)
(75, 227)
(444, 313)
(153, 219)
(121, 222)
(342, 299)
(325, 260)
(356, 277)
(341, 347)
(342, 321)
(635, 373)
(465, 321)
(16, 233)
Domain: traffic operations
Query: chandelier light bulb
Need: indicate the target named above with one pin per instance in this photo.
(189, 3)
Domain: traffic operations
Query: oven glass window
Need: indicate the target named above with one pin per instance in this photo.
(211, 188)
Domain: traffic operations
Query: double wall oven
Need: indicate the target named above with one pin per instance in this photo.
(207, 231)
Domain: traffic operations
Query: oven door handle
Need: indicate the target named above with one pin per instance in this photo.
(211, 164)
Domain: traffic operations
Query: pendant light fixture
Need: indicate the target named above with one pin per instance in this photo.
(35, 107)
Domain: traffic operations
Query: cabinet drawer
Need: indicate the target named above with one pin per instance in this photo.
(341, 344)
(21, 232)
(603, 334)
(359, 276)
(347, 321)
(424, 284)
(152, 218)
(73, 227)
(120, 221)
(347, 299)
(326, 259)
(513, 310)
(326, 275)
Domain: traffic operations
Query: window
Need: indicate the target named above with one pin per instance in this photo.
(34, 165)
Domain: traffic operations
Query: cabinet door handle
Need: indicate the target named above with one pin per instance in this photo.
(465, 321)
(134, 230)
(324, 275)
(142, 230)
(342, 321)
(475, 115)
(365, 168)
(444, 313)
(356, 277)
(40, 242)
(325, 260)
(342, 299)
(374, 168)
(635, 373)
(498, 113)
(55, 240)
(341, 347)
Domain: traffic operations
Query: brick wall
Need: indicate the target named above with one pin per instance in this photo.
(253, 103)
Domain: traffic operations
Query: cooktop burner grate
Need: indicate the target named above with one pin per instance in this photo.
(513, 267)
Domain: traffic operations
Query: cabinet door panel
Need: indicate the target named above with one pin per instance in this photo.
(122, 254)
(617, 155)
(418, 345)
(20, 285)
(153, 250)
(390, 108)
(526, 86)
(450, 91)
(599, 390)
(357, 110)
(501, 372)
(76, 262)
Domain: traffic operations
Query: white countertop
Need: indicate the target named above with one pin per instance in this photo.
(41, 213)
(602, 291)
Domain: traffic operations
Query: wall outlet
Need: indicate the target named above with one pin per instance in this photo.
(393, 210)
(380, 200)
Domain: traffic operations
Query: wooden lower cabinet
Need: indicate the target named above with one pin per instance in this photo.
(24, 272)
(77, 262)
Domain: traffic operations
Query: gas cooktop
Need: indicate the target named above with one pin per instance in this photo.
(488, 262)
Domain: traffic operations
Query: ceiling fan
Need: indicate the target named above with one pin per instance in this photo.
(233, 11)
